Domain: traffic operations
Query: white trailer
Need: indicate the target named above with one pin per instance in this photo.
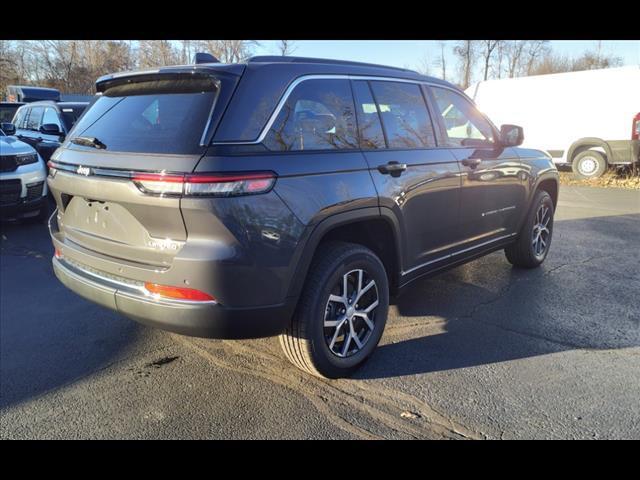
(588, 119)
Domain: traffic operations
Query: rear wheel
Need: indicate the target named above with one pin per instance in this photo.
(533, 242)
(589, 164)
(341, 313)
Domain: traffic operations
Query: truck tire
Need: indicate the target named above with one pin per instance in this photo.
(589, 164)
(532, 244)
(341, 313)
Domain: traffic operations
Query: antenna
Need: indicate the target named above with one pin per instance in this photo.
(203, 57)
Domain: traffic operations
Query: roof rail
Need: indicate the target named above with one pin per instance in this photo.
(287, 59)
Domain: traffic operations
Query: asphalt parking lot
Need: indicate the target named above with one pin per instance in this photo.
(482, 351)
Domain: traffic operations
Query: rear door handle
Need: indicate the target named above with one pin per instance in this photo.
(471, 162)
(394, 169)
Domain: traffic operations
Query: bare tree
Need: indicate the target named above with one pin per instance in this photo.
(423, 65)
(441, 61)
(514, 51)
(228, 51)
(488, 47)
(535, 50)
(466, 52)
(286, 47)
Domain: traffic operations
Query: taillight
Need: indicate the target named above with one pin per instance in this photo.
(178, 293)
(635, 127)
(216, 185)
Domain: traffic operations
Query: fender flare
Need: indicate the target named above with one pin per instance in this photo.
(585, 144)
(308, 246)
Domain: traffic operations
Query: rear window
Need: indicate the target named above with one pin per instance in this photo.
(161, 116)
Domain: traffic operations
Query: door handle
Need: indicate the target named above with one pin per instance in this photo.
(471, 162)
(394, 169)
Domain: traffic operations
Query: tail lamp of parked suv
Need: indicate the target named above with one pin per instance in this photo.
(217, 185)
(635, 127)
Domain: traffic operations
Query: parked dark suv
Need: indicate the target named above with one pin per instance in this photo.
(287, 196)
(44, 125)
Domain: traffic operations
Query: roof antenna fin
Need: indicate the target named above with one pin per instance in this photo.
(203, 57)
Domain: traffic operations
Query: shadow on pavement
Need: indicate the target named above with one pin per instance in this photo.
(581, 298)
(49, 336)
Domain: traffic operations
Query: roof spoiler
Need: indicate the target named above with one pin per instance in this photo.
(203, 57)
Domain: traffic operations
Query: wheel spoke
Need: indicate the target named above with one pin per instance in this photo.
(371, 307)
(336, 298)
(356, 339)
(359, 283)
(345, 284)
(335, 323)
(347, 342)
(365, 289)
(335, 337)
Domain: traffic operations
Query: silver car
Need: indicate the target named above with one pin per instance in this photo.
(23, 186)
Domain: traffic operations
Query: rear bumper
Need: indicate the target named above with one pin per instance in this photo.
(198, 319)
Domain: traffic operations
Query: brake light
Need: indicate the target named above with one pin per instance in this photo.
(217, 185)
(635, 127)
(178, 293)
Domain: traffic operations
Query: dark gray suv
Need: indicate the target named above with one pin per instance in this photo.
(287, 196)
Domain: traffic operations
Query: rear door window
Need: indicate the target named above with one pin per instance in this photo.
(404, 115)
(369, 126)
(163, 116)
(33, 122)
(317, 115)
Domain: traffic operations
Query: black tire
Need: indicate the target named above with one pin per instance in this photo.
(306, 341)
(589, 164)
(522, 253)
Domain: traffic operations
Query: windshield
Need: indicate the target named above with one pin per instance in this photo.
(161, 116)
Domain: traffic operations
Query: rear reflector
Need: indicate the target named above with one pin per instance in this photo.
(205, 184)
(178, 293)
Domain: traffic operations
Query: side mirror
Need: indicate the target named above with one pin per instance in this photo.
(511, 135)
(8, 128)
(50, 129)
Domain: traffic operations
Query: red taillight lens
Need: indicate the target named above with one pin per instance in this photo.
(178, 293)
(635, 128)
(57, 253)
(205, 184)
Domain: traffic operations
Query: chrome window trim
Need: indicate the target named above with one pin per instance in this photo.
(304, 78)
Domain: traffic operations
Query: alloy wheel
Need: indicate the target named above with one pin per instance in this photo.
(541, 231)
(349, 318)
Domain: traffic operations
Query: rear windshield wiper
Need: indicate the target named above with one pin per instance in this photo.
(89, 142)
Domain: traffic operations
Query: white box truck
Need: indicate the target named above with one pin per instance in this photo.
(589, 119)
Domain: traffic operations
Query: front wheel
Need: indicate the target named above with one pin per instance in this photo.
(341, 313)
(532, 244)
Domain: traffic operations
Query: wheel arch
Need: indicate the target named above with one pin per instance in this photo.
(588, 143)
(372, 227)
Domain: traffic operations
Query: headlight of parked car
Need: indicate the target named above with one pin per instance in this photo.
(26, 159)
